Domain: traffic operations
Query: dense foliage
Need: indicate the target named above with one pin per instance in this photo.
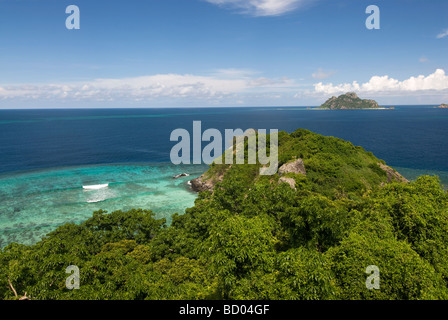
(256, 238)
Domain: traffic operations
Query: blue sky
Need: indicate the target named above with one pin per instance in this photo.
(175, 53)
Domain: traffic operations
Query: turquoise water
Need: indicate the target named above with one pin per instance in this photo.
(36, 203)
(413, 174)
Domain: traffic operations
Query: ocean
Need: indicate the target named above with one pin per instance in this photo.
(47, 156)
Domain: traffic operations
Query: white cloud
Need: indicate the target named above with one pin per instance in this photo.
(443, 34)
(437, 81)
(423, 60)
(261, 7)
(174, 86)
(321, 74)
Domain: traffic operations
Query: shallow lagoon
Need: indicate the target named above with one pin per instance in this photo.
(35, 203)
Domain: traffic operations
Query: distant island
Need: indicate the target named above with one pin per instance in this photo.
(349, 101)
(443, 106)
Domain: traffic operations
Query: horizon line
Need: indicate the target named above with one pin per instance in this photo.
(207, 107)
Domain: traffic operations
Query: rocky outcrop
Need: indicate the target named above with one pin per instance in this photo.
(296, 166)
(206, 182)
(290, 181)
(443, 106)
(201, 184)
(392, 175)
(349, 101)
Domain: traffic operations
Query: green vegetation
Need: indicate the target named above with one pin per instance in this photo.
(256, 238)
(349, 101)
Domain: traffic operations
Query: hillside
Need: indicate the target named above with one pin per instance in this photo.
(443, 106)
(330, 165)
(349, 101)
(308, 232)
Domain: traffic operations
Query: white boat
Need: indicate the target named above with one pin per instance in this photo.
(95, 187)
(94, 201)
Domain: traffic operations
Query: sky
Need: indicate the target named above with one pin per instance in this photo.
(221, 53)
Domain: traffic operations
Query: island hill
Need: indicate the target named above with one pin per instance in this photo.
(299, 162)
(349, 101)
(443, 106)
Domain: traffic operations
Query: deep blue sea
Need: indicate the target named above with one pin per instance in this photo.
(47, 156)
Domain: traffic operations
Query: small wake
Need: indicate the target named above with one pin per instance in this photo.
(96, 187)
(96, 200)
